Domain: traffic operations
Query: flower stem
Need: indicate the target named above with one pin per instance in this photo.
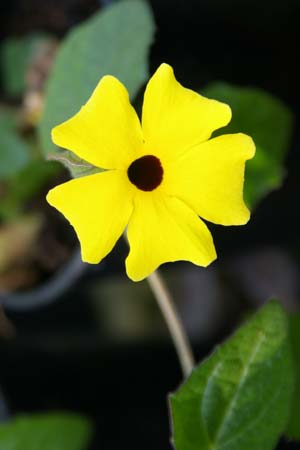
(178, 334)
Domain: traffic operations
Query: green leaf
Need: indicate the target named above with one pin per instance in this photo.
(239, 398)
(114, 41)
(293, 428)
(16, 54)
(77, 166)
(269, 122)
(45, 432)
(14, 152)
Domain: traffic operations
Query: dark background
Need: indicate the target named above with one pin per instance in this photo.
(57, 360)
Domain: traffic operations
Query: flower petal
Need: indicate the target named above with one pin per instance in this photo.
(175, 118)
(98, 206)
(106, 132)
(163, 229)
(210, 177)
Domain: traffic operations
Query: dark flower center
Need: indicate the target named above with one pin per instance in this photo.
(146, 173)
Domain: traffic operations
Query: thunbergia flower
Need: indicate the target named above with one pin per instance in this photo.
(159, 176)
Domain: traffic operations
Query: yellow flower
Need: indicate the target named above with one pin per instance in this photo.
(160, 176)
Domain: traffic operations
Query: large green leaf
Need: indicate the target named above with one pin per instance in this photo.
(114, 41)
(293, 429)
(14, 152)
(269, 122)
(45, 432)
(239, 398)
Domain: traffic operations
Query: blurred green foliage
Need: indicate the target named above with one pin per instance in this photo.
(114, 41)
(14, 152)
(16, 55)
(239, 398)
(23, 170)
(293, 429)
(55, 431)
(269, 122)
(24, 186)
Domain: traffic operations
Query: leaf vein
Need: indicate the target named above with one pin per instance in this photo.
(230, 407)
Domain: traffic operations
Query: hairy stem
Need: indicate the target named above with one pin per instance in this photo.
(176, 329)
